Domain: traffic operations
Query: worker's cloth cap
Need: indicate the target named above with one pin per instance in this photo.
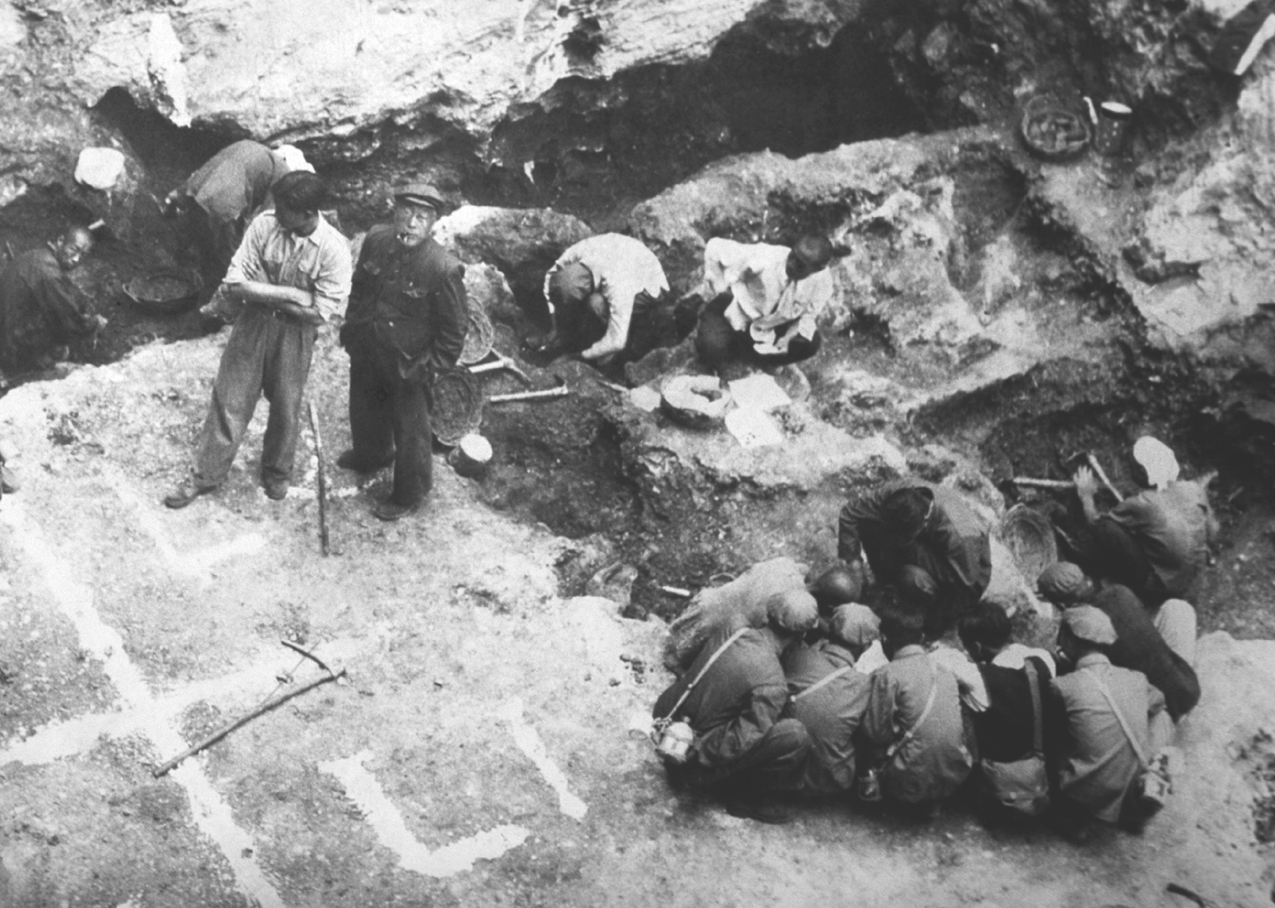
(794, 611)
(1091, 624)
(1157, 459)
(420, 194)
(570, 281)
(1062, 581)
(856, 625)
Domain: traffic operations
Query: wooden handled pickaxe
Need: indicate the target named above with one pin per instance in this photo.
(500, 362)
(560, 391)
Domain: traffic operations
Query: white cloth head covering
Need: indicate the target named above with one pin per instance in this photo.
(100, 168)
(293, 157)
(1157, 459)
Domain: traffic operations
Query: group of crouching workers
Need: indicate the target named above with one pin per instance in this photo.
(803, 691)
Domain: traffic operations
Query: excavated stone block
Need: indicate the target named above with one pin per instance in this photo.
(522, 242)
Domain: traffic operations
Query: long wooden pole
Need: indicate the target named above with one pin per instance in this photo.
(323, 481)
(243, 720)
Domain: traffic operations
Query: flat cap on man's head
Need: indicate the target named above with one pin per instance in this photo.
(1063, 582)
(1091, 624)
(855, 624)
(792, 611)
(420, 194)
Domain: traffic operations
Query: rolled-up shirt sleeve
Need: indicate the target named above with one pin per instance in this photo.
(619, 314)
(336, 271)
(246, 264)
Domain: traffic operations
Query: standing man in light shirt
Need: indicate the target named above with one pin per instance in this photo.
(593, 289)
(763, 301)
(292, 271)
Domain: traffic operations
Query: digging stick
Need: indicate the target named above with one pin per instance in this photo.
(322, 481)
(243, 720)
(1102, 474)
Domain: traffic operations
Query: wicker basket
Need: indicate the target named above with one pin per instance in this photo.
(1053, 130)
(165, 292)
(695, 401)
(1029, 536)
(478, 338)
(457, 405)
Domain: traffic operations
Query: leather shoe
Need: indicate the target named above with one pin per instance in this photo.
(187, 493)
(761, 808)
(347, 461)
(388, 510)
(276, 489)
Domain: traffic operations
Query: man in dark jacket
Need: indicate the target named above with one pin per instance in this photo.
(41, 310)
(407, 318)
(742, 749)
(1142, 637)
(925, 540)
(1006, 730)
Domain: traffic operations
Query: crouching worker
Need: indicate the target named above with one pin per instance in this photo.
(1107, 726)
(913, 723)
(1010, 730)
(726, 713)
(763, 302)
(41, 309)
(926, 541)
(830, 696)
(1159, 643)
(594, 290)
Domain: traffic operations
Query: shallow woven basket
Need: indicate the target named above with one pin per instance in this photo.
(165, 292)
(458, 405)
(1029, 536)
(1053, 130)
(478, 338)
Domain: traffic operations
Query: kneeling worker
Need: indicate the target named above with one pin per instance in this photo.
(913, 721)
(762, 302)
(592, 291)
(829, 696)
(41, 310)
(1108, 727)
(407, 319)
(925, 540)
(732, 697)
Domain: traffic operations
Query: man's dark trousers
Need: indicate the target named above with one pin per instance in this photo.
(265, 353)
(389, 417)
(717, 343)
(775, 763)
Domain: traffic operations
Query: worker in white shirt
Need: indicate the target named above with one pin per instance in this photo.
(763, 301)
(592, 290)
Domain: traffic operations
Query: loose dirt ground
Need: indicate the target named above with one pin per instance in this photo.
(480, 752)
